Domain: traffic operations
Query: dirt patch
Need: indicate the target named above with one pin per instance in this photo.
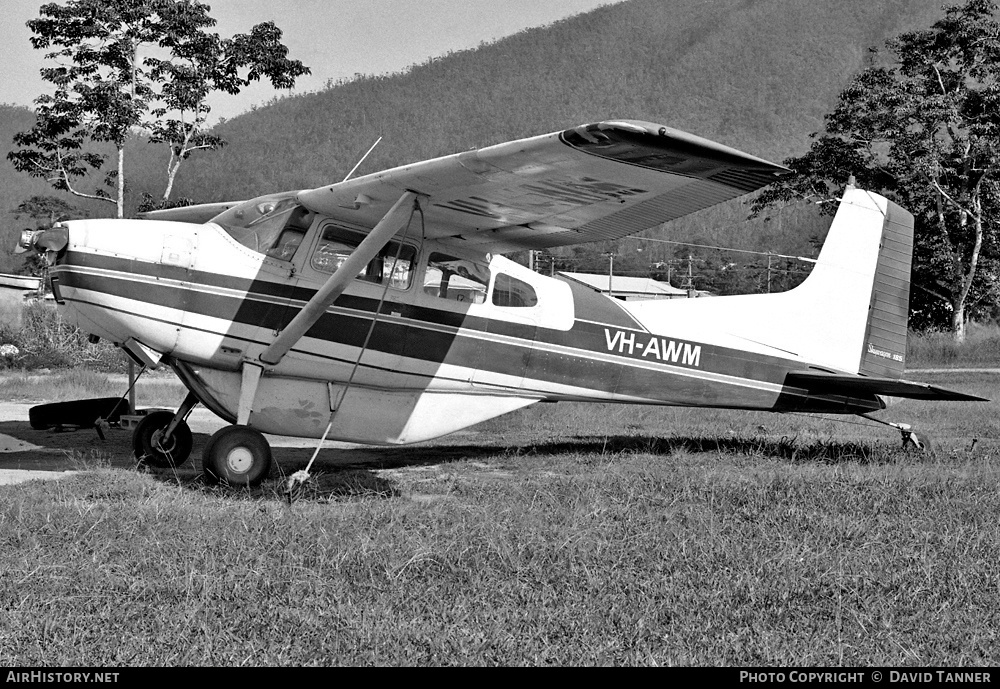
(23, 448)
(11, 476)
(11, 444)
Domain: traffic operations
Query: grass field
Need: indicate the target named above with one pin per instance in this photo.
(558, 535)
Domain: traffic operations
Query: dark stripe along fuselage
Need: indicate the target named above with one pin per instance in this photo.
(606, 351)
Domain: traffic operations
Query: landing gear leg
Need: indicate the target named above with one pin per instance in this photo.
(163, 439)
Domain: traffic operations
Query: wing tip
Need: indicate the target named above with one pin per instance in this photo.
(667, 138)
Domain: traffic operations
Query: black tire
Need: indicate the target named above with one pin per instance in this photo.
(237, 455)
(148, 446)
(82, 413)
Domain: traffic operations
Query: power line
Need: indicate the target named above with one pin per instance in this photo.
(724, 248)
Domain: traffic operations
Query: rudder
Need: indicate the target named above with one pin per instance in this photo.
(884, 353)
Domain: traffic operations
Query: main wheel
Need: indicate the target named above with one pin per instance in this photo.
(149, 444)
(237, 455)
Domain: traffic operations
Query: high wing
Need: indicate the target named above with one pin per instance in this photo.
(197, 213)
(822, 383)
(594, 182)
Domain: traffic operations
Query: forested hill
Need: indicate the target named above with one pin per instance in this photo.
(754, 74)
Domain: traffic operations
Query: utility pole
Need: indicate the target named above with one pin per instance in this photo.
(611, 272)
(688, 283)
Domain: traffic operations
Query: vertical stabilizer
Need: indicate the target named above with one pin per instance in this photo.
(856, 299)
(848, 316)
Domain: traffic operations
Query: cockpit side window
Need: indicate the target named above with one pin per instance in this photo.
(393, 264)
(286, 244)
(294, 230)
(448, 277)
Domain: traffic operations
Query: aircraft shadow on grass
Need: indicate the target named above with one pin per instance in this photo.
(355, 471)
(786, 448)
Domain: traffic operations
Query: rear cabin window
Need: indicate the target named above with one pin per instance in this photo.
(458, 279)
(394, 262)
(509, 291)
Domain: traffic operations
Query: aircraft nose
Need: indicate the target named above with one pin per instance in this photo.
(54, 239)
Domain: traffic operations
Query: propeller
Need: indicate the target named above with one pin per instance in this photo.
(54, 239)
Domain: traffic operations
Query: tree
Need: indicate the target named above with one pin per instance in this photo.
(924, 129)
(130, 65)
(46, 210)
(201, 64)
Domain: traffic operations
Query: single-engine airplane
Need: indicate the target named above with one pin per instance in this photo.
(379, 309)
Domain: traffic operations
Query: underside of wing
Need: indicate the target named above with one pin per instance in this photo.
(821, 383)
(594, 182)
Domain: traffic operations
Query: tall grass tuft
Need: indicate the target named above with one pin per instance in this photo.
(60, 385)
(938, 348)
(46, 340)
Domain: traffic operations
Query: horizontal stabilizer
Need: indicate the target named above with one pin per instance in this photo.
(198, 214)
(820, 383)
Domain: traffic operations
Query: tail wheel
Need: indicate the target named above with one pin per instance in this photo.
(150, 445)
(237, 455)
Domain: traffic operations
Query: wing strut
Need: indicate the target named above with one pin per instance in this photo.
(338, 282)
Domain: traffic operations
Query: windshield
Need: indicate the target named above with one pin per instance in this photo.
(267, 224)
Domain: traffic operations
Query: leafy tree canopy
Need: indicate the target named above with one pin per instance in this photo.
(46, 210)
(924, 129)
(124, 65)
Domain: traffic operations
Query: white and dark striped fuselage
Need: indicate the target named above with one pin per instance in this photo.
(400, 365)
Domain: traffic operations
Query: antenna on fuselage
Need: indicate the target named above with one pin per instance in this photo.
(362, 159)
